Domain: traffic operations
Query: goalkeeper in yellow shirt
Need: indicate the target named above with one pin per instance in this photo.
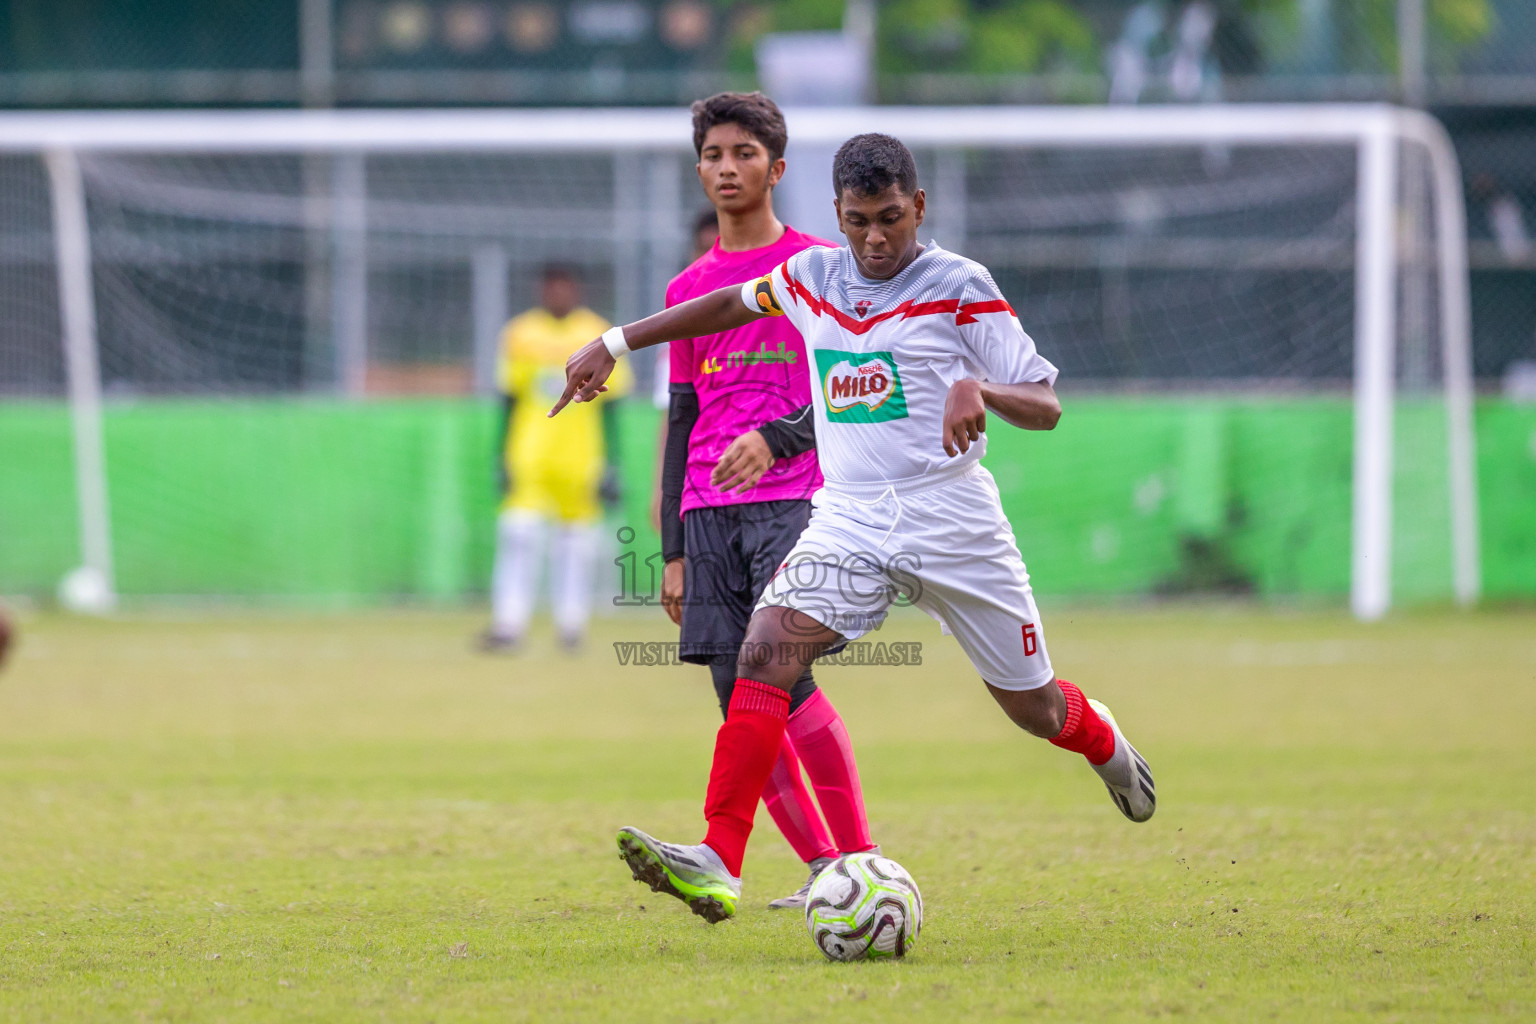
(555, 472)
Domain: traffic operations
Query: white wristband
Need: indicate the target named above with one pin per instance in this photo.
(613, 338)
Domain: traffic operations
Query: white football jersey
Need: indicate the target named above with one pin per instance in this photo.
(884, 354)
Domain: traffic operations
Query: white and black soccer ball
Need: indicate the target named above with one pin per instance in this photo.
(864, 907)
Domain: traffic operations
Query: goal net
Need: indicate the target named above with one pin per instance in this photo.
(267, 331)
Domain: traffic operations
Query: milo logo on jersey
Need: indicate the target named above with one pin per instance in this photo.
(861, 387)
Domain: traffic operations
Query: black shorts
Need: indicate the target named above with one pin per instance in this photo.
(732, 551)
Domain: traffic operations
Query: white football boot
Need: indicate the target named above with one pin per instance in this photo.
(694, 874)
(1126, 774)
(797, 898)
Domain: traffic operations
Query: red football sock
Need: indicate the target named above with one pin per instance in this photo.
(824, 747)
(745, 749)
(793, 811)
(1085, 732)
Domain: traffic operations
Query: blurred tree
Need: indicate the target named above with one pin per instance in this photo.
(750, 20)
(1241, 30)
(984, 37)
(1362, 34)
(958, 36)
(1452, 26)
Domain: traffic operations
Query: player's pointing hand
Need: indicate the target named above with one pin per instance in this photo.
(965, 416)
(584, 374)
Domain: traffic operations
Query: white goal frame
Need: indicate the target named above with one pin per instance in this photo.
(1376, 131)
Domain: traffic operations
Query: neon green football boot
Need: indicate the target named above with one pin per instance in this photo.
(694, 874)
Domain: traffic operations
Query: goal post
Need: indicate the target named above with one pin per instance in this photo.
(651, 146)
(92, 581)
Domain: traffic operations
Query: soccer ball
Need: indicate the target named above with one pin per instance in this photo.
(86, 591)
(864, 907)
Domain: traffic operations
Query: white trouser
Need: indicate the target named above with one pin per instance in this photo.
(574, 552)
(515, 575)
(941, 543)
(520, 543)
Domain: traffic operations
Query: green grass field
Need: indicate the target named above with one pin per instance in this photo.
(354, 818)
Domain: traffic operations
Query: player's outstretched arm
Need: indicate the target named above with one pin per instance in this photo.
(1030, 406)
(720, 310)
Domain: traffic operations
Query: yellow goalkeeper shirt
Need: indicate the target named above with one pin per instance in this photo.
(569, 447)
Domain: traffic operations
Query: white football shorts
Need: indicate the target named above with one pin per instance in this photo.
(940, 542)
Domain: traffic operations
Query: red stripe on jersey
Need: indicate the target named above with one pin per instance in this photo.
(965, 314)
(912, 309)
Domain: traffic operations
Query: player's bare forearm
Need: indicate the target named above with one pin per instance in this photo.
(1028, 406)
(1031, 406)
(720, 310)
(672, 589)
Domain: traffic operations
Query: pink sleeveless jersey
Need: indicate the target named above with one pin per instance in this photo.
(744, 377)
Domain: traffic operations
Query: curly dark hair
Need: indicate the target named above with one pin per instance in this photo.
(867, 165)
(756, 114)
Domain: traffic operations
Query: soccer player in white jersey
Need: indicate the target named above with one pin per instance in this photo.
(911, 347)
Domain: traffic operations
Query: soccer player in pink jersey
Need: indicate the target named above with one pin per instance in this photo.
(734, 498)
(912, 347)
